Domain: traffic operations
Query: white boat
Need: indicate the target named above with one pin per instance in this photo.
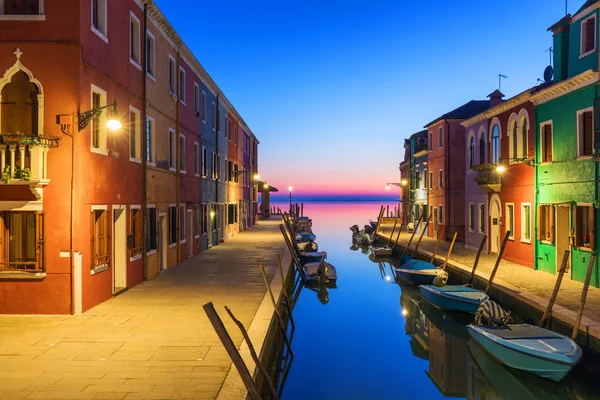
(381, 250)
(311, 271)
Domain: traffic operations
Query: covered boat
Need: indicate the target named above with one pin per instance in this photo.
(529, 348)
(381, 250)
(304, 237)
(311, 271)
(454, 297)
(313, 256)
(417, 272)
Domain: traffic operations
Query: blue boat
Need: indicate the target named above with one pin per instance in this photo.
(529, 348)
(454, 297)
(417, 272)
(313, 256)
(304, 237)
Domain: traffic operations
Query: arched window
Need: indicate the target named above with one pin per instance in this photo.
(495, 159)
(472, 152)
(19, 106)
(482, 159)
(514, 141)
(524, 137)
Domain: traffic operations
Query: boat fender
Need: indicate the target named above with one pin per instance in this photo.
(441, 279)
(490, 313)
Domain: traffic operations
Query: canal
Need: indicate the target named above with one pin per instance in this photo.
(371, 338)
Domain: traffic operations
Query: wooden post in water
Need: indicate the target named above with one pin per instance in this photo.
(387, 213)
(449, 251)
(379, 220)
(293, 253)
(261, 367)
(232, 350)
(563, 267)
(421, 236)
(413, 234)
(483, 240)
(392, 234)
(439, 239)
(284, 292)
(281, 324)
(584, 292)
(489, 284)
(302, 209)
(398, 237)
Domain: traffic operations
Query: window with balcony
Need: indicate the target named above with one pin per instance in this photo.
(588, 36)
(137, 247)
(19, 106)
(100, 238)
(22, 241)
(585, 132)
(546, 142)
(585, 221)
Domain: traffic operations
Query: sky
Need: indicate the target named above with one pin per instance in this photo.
(331, 88)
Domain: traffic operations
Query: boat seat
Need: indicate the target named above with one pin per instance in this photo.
(525, 331)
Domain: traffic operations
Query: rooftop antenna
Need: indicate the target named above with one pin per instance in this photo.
(566, 3)
(500, 76)
(550, 51)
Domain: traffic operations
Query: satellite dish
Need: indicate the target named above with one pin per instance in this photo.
(548, 73)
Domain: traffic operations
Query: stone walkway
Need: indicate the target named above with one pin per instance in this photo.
(153, 341)
(535, 286)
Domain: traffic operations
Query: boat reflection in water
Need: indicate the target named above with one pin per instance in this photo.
(322, 290)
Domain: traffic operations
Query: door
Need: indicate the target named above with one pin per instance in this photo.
(563, 228)
(162, 241)
(495, 226)
(119, 246)
(435, 223)
(190, 232)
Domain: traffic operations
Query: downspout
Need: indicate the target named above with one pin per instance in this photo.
(218, 166)
(536, 188)
(178, 155)
(448, 213)
(144, 142)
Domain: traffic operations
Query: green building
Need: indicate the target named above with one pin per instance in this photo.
(568, 148)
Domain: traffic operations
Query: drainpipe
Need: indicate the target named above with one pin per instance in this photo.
(448, 213)
(218, 125)
(536, 189)
(178, 155)
(144, 141)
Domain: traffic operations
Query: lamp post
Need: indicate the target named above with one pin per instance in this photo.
(290, 189)
(399, 184)
(67, 123)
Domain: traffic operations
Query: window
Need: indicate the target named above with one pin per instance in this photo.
(98, 124)
(214, 115)
(150, 135)
(172, 149)
(196, 159)
(22, 241)
(430, 144)
(235, 134)
(231, 214)
(134, 40)
(137, 247)
(226, 127)
(22, 7)
(472, 152)
(514, 139)
(214, 165)
(418, 180)
(481, 217)
(150, 57)
(171, 75)
(440, 137)
(236, 173)
(203, 107)
(196, 99)
(431, 180)
(214, 217)
(547, 142)
(588, 35)
(134, 134)
(182, 153)
(182, 86)
(99, 18)
(218, 166)
(100, 237)
(525, 150)
(510, 220)
(20, 109)
(495, 145)
(172, 225)
(482, 144)
(584, 226)
(525, 222)
(204, 218)
(441, 178)
(585, 133)
(471, 217)
(196, 221)
(546, 223)
(204, 163)
(229, 170)
(151, 230)
(441, 214)
(181, 223)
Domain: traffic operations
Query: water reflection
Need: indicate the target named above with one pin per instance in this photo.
(322, 290)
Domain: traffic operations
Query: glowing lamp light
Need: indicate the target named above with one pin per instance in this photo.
(387, 187)
(266, 186)
(404, 182)
(290, 188)
(388, 279)
(404, 312)
(113, 124)
(256, 177)
(500, 169)
(212, 214)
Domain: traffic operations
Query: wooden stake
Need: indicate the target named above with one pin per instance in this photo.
(379, 219)
(483, 240)
(584, 292)
(559, 278)
(449, 251)
(392, 234)
(293, 253)
(439, 239)
(284, 292)
(281, 324)
(398, 237)
(232, 350)
(421, 236)
(489, 284)
(260, 366)
(413, 234)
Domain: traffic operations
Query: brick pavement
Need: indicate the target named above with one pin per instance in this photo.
(151, 342)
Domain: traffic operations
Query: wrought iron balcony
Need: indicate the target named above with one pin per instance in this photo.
(487, 178)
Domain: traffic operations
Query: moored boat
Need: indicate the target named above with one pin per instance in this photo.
(454, 297)
(417, 272)
(313, 256)
(311, 271)
(529, 348)
(304, 237)
(381, 250)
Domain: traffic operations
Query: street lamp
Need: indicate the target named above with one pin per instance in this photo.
(290, 189)
(500, 169)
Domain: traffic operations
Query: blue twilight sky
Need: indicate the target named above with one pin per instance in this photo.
(331, 87)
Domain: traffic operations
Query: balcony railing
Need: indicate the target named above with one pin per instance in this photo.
(24, 158)
(487, 178)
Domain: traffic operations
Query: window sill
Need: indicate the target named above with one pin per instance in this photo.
(196, 236)
(100, 34)
(19, 275)
(546, 242)
(97, 150)
(99, 269)
(172, 245)
(182, 171)
(527, 241)
(135, 63)
(184, 241)
(512, 239)
(135, 258)
(587, 53)
(22, 17)
(204, 121)
(586, 157)
(182, 103)
(150, 164)
(197, 175)
(172, 169)
(151, 76)
(135, 160)
(151, 252)
(583, 248)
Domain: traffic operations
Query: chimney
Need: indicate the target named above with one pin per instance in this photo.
(560, 46)
(495, 97)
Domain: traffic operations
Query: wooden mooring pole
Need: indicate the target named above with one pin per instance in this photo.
(261, 368)
(437, 245)
(392, 234)
(421, 236)
(232, 350)
(413, 234)
(481, 245)
(398, 237)
(284, 292)
(449, 251)
(559, 278)
(586, 285)
(379, 220)
(498, 259)
(281, 324)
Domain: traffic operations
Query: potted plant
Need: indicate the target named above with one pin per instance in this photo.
(5, 177)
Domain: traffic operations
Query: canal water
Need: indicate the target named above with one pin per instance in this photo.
(371, 338)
